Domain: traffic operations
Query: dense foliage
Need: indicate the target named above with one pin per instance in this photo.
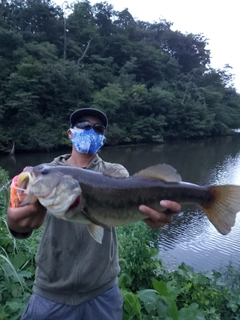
(154, 83)
(149, 290)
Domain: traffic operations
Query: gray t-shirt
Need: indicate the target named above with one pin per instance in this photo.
(71, 266)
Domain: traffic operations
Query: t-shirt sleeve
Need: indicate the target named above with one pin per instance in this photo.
(116, 170)
(18, 235)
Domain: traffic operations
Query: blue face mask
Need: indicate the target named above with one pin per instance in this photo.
(87, 141)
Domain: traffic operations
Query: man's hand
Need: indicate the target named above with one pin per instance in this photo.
(157, 219)
(27, 218)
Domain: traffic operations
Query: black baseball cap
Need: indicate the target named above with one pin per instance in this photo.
(76, 115)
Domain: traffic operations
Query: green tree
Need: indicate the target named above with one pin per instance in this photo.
(154, 83)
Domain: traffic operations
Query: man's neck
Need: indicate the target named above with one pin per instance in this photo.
(80, 160)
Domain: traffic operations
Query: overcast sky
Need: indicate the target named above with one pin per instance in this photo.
(218, 20)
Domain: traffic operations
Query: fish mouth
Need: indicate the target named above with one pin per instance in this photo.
(24, 179)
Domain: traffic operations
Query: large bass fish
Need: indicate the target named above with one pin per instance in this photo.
(100, 201)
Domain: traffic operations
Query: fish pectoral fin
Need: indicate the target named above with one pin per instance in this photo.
(163, 172)
(97, 232)
(96, 228)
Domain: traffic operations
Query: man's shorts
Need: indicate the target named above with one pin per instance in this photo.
(107, 306)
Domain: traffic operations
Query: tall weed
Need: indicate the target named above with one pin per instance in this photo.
(17, 266)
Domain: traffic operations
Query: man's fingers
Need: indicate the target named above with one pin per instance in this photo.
(157, 219)
(170, 205)
(26, 218)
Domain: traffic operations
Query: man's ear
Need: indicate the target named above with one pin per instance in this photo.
(69, 133)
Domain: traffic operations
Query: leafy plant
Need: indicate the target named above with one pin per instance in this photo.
(17, 266)
(178, 295)
(138, 255)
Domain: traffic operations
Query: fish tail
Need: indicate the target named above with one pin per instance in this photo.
(222, 207)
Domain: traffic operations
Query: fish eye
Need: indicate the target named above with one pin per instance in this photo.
(44, 171)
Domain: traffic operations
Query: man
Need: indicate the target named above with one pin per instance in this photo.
(76, 277)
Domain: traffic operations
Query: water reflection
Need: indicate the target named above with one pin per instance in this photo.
(228, 172)
(195, 240)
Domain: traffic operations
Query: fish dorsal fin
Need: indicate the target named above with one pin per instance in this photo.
(163, 172)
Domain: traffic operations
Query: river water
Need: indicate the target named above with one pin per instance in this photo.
(190, 238)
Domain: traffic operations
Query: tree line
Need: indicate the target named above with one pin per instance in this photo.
(154, 83)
